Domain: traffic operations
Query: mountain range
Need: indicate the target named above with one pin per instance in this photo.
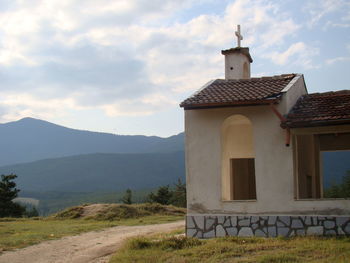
(31, 139)
(49, 157)
(99, 172)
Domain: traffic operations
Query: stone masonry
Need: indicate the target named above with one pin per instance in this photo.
(208, 226)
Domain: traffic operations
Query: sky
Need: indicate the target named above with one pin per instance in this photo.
(124, 66)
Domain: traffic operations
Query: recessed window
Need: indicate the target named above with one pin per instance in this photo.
(238, 168)
(243, 179)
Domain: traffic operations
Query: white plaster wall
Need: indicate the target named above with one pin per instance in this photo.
(292, 93)
(273, 163)
(236, 61)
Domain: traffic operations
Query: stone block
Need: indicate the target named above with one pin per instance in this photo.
(280, 224)
(221, 219)
(209, 223)
(227, 222)
(271, 230)
(209, 234)
(263, 222)
(260, 233)
(199, 220)
(283, 231)
(189, 222)
(254, 226)
(329, 224)
(272, 220)
(220, 231)
(244, 222)
(340, 231)
(330, 233)
(232, 231)
(191, 232)
(199, 234)
(347, 228)
(308, 221)
(285, 220)
(314, 230)
(341, 220)
(296, 223)
(314, 221)
(254, 219)
(245, 232)
(233, 220)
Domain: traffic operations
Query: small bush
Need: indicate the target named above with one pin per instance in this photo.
(170, 243)
(179, 243)
(139, 243)
(70, 213)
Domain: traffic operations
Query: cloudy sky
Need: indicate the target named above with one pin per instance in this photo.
(123, 66)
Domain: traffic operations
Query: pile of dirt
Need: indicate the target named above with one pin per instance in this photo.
(118, 211)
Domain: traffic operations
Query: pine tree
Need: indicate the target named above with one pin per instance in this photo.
(179, 194)
(127, 198)
(163, 195)
(8, 192)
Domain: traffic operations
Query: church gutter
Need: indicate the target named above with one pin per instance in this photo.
(283, 120)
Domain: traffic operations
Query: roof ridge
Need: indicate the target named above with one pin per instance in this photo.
(330, 93)
(282, 76)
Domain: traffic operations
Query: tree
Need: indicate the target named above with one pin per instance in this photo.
(163, 195)
(179, 194)
(341, 190)
(31, 212)
(127, 198)
(8, 192)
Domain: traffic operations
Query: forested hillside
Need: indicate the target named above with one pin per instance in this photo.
(31, 139)
(99, 172)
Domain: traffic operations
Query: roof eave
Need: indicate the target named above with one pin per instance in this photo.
(229, 104)
(305, 124)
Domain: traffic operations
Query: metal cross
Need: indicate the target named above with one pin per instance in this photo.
(239, 36)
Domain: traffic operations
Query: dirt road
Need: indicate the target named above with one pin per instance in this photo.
(91, 247)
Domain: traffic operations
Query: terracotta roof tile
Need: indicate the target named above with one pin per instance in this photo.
(222, 92)
(320, 109)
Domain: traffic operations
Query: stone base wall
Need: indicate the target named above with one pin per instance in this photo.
(208, 226)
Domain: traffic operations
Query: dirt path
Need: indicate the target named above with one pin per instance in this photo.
(91, 247)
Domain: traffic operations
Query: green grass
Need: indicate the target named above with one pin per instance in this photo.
(19, 233)
(172, 249)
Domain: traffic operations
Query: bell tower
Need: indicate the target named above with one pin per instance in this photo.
(237, 60)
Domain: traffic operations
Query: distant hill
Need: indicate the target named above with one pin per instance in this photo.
(99, 172)
(31, 139)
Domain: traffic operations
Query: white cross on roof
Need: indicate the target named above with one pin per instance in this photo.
(239, 36)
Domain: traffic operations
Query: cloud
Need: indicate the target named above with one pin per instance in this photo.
(128, 57)
(337, 59)
(297, 53)
(319, 10)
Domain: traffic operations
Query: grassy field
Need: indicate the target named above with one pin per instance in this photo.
(172, 249)
(18, 233)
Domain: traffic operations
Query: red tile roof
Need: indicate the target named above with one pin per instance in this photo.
(320, 109)
(223, 93)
